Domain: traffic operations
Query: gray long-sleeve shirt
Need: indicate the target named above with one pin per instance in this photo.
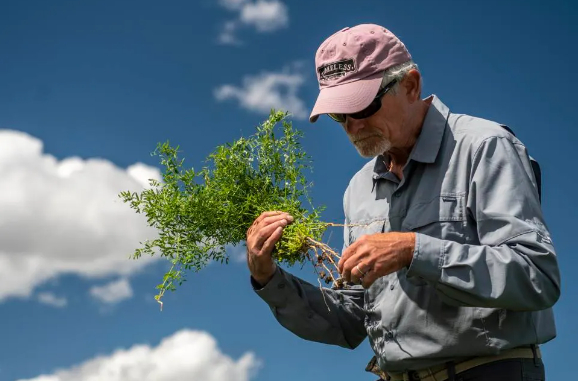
(484, 274)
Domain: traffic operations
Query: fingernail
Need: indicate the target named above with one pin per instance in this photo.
(290, 218)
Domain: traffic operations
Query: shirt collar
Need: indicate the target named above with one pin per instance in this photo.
(428, 143)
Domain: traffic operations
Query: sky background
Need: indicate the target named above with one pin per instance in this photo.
(88, 88)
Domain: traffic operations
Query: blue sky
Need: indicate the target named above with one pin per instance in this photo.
(88, 88)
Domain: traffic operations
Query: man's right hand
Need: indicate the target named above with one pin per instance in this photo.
(263, 234)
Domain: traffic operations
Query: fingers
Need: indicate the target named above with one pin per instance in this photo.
(264, 215)
(272, 219)
(350, 251)
(263, 228)
(268, 217)
(262, 236)
(355, 269)
(363, 274)
(272, 240)
(267, 227)
(350, 258)
(349, 272)
(358, 273)
(356, 261)
(369, 278)
(376, 255)
(259, 220)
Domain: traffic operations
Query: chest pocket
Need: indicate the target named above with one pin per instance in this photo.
(360, 228)
(443, 217)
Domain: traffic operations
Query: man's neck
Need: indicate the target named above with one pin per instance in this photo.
(399, 155)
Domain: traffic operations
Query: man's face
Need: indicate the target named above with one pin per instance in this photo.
(369, 141)
(380, 132)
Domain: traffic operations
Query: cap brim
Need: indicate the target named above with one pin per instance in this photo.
(348, 97)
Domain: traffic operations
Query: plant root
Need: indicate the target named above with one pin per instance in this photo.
(323, 259)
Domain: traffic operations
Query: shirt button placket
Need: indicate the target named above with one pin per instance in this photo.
(395, 207)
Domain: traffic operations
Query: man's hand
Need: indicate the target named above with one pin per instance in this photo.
(373, 256)
(263, 234)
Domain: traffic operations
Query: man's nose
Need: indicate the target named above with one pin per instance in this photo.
(353, 126)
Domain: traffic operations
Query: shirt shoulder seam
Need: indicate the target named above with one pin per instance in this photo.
(493, 137)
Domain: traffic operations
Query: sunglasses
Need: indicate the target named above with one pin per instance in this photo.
(368, 111)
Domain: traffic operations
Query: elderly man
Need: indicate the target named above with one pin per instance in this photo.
(454, 271)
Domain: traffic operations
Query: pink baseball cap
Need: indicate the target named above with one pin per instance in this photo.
(350, 65)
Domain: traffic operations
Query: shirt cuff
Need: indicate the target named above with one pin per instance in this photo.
(276, 291)
(427, 258)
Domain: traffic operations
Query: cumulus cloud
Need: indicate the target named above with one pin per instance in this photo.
(52, 300)
(265, 16)
(186, 355)
(262, 92)
(142, 174)
(227, 35)
(237, 253)
(113, 292)
(262, 15)
(64, 216)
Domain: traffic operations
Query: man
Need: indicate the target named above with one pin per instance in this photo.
(454, 270)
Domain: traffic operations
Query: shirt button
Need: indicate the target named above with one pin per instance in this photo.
(310, 315)
(392, 287)
(390, 335)
(281, 285)
(396, 194)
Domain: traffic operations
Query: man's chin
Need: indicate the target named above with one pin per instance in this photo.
(373, 151)
(367, 155)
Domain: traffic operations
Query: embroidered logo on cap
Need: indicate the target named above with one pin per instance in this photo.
(336, 69)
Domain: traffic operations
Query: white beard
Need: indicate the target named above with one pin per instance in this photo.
(371, 146)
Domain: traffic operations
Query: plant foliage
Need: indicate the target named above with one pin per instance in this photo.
(197, 214)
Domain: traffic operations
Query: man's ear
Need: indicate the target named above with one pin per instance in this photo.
(413, 85)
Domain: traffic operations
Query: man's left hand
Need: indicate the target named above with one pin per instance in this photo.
(373, 256)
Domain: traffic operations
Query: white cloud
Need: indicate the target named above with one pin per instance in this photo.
(143, 173)
(238, 253)
(51, 299)
(262, 92)
(113, 292)
(69, 166)
(263, 15)
(64, 216)
(227, 35)
(186, 355)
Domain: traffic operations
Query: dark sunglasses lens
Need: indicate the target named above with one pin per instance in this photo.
(368, 111)
(340, 118)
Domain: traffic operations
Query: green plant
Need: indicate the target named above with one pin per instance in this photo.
(198, 213)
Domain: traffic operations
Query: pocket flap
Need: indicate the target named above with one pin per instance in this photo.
(365, 227)
(445, 207)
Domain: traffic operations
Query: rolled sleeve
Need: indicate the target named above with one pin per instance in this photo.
(427, 258)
